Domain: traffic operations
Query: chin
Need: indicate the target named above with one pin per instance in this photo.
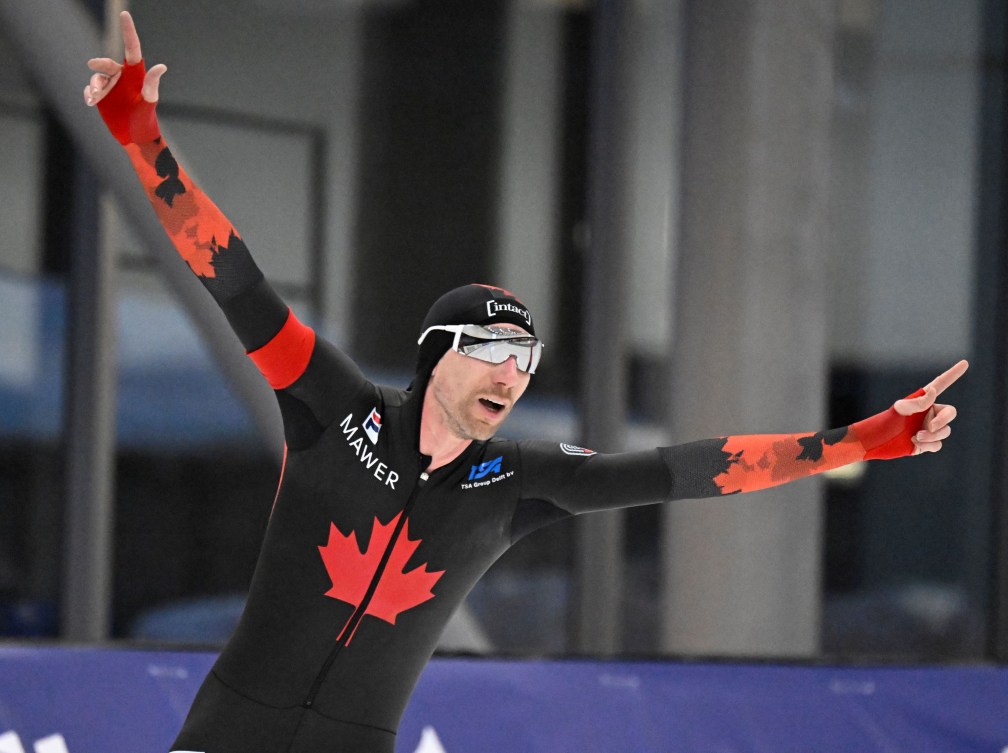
(483, 431)
(480, 429)
(482, 435)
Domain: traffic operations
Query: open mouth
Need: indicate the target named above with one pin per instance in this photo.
(491, 405)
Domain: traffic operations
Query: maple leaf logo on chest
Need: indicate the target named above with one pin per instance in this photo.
(352, 571)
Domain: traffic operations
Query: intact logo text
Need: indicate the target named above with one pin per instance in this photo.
(497, 307)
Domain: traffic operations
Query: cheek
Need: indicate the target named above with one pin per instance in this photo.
(522, 386)
(451, 385)
(526, 380)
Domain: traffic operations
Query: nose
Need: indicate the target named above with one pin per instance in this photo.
(507, 373)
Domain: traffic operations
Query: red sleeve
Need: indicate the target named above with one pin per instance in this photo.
(744, 463)
(284, 358)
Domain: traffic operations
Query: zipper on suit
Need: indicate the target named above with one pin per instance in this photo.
(361, 610)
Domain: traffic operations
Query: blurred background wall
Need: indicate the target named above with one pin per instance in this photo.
(729, 217)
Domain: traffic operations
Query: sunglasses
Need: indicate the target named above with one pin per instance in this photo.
(493, 345)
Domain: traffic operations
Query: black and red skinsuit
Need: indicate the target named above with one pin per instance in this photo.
(367, 555)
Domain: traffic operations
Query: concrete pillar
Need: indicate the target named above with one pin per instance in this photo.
(742, 574)
(654, 120)
(530, 160)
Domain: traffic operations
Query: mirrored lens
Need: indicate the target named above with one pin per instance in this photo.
(526, 351)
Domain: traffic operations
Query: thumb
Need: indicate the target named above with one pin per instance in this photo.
(910, 405)
(150, 85)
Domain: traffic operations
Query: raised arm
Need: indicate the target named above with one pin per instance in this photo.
(126, 95)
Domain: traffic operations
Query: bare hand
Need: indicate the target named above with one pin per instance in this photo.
(107, 71)
(938, 417)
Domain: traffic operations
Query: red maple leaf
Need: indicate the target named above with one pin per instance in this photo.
(352, 570)
(195, 225)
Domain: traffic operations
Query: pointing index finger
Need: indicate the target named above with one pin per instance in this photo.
(943, 381)
(131, 41)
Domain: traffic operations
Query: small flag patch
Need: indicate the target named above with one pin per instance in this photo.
(372, 425)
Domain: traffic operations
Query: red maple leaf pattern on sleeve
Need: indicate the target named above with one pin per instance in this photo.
(197, 228)
(759, 461)
(352, 570)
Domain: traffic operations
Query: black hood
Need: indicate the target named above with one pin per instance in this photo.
(469, 304)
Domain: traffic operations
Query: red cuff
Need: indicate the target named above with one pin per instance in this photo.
(130, 118)
(888, 435)
(284, 358)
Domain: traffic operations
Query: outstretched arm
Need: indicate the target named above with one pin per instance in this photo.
(560, 480)
(745, 463)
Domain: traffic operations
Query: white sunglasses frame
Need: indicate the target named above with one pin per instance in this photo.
(488, 336)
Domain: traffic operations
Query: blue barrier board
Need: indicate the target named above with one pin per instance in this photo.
(90, 700)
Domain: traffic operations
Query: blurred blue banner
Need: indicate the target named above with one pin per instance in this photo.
(57, 700)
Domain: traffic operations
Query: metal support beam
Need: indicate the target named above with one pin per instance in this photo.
(988, 383)
(603, 379)
(90, 430)
(89, 420)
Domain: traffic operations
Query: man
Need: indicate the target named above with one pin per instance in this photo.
(393, 503)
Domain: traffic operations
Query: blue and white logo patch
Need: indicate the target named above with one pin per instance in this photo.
(485, 469)
(571, 449)
(486, 473)
(372, 425)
